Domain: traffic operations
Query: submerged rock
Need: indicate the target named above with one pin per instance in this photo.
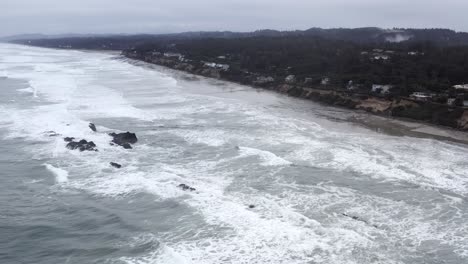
(52, 133)
(124, 139)
(353, 217)
(115, 165)
(185, 187)
(251, 206)
(82, 145)
(358, 219)
(93, 127)
(69, 139)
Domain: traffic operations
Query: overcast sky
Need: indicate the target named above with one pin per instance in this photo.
(157, 16)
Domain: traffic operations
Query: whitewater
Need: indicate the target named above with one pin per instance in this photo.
(277, 179)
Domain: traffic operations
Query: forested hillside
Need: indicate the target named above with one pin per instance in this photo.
(427, 60)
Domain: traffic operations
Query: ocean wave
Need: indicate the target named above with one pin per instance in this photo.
(268, 158)
(61, 175)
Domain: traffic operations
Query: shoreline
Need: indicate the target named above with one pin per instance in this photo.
(391, 125)
(370, 114)
(400, 107)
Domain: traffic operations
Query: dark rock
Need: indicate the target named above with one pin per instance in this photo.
(251, 206)
(354, 217)
(359, 219)
(93, 127)
(81, 145)
(115, 165)
(185, 187)
(124, 139)
(69, 139)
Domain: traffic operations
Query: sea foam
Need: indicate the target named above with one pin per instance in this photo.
(61, 175)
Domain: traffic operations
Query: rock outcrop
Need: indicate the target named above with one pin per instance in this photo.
(185, 187)
(92, 127)
(68, 139)
(124, 139)
(115, 165)
(82, 145)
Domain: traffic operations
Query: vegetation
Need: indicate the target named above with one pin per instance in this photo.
(408, 66)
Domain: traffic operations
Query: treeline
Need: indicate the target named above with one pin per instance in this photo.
(409, 66)
(369, 35)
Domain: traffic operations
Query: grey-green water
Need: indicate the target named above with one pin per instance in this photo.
(323, 190)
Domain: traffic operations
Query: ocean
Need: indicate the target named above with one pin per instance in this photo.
(276, 179)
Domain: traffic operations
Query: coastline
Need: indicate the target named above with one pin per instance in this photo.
(372, 113)
(398, 107)
(392, 125)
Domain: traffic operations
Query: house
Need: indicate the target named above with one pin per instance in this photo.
(264, 80)
(308, 80)
(325, 81)
(350, 86)
(171, 55)
(461, 87)
(381, 89)
(290, 79)
(459, 100)
(223, 67)
(381, 57)
(451, 101)
(210, 64)
(419, 96)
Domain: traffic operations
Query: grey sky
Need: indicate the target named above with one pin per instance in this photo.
(156, 16)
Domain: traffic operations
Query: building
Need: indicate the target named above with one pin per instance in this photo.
(461, 87)
(381, 89)
(290, 79)
(223, 67)
(325, 81)
(171, 55)
(415, 53)
(264, 80)
(381, 57)
(351, 86)
(423, 97)
(308, 80)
